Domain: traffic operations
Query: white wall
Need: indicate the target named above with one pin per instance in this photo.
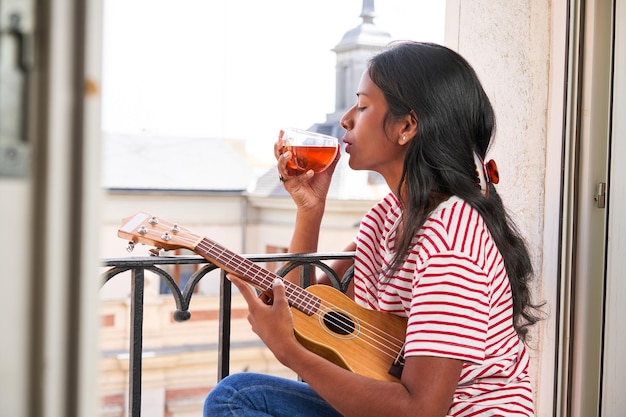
(513, 46)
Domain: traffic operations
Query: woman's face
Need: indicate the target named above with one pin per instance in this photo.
(369, 144)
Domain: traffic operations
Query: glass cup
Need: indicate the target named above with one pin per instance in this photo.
(309, 150)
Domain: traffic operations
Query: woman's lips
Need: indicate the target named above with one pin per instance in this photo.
(348, 145)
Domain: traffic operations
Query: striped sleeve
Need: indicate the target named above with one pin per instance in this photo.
(449, 313)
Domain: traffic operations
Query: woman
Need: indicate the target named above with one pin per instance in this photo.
(439, 250)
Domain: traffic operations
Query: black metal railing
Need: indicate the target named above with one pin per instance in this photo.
(156, 264)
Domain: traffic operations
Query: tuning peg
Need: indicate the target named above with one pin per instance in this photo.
(131, 246)
(155, 251)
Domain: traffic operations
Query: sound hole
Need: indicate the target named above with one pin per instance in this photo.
(338, 323)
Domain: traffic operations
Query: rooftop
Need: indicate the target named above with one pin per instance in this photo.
(151, 162)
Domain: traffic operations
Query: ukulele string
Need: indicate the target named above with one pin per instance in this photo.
(377, 338)
(373, 336)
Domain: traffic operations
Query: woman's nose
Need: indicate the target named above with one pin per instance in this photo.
(346, 120)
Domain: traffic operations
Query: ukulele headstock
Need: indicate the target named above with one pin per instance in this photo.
(153, 231)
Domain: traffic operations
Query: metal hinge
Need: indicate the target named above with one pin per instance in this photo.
(600, 197)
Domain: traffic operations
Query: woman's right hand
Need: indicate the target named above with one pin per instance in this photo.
(308, 190)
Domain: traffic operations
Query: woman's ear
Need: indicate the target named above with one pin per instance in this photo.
(409, 128)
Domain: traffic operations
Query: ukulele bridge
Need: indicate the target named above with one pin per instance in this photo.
(398, 364)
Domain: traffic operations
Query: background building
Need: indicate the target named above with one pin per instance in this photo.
(210, 186)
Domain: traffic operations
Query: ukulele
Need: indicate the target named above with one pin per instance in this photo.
(326, 322)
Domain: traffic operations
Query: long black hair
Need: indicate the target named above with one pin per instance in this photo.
(455, 119)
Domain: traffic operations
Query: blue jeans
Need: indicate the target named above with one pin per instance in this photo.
(257, 395)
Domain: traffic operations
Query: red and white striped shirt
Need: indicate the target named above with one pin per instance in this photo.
(455, 291)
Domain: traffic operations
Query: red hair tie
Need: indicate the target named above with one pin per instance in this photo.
(486, 173)
(493, 176)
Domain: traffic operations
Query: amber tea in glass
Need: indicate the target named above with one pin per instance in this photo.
(309, 150)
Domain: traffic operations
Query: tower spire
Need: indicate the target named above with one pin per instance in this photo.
(353, 53)
(367, 12)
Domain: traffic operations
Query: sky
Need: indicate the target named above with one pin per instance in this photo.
(240, 69)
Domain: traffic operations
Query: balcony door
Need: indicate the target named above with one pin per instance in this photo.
(613, 401)
(593, 290)
(49, 195)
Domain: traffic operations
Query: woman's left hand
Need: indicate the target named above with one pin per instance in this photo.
(271, 322)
